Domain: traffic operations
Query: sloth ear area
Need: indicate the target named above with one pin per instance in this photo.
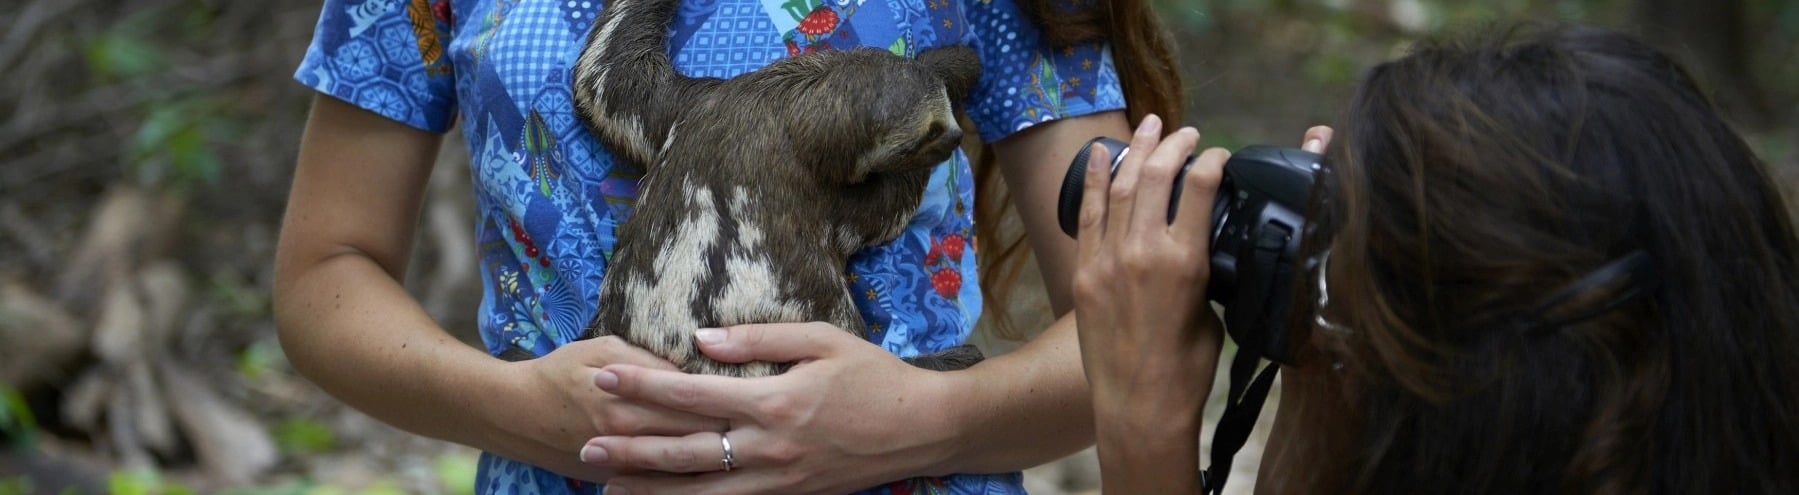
(922, 144)
(957, 66)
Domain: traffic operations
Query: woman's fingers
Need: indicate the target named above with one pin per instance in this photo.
(1193, 223)
(613, 350)
(1121, 201)
(774, 342)
(705, 395)
(1093, 203)
(696, 453)
(1159, 168)
(572, 369)
(1317, 139)
(627, 418)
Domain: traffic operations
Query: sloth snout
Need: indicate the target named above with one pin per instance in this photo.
(951, 136)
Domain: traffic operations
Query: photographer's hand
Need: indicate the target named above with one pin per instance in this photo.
(1149, 340)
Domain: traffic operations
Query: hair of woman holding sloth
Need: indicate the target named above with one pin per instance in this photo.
(1470, 184)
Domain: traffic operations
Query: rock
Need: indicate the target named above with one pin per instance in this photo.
(150, 416)
(39, 338)
(162, 285)
(229, 442)
(85, 400)
(129, 225)
(119, 336)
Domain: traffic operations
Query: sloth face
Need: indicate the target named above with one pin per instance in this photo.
(872, 113)
(920, 133)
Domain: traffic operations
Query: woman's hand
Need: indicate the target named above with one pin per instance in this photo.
(825, 426)
(1149, 339)
(566, 376)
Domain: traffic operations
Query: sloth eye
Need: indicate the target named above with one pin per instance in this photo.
(936, 130)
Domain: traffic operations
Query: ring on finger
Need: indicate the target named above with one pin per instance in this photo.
(730, 460)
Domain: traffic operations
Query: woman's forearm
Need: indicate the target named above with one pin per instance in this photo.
(346, 323)
(1033, 406)
(1144, 450)
(350, 328)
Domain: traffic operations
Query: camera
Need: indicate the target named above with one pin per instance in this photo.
(1258, 220)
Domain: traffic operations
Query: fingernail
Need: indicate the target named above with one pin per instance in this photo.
(594, 454)
(606, 380)
(1315, 145)
(710, 335)
(1152, 125)
(616, 490)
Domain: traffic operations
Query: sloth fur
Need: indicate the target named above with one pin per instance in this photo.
(758, 188)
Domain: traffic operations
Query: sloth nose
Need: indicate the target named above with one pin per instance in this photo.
(952, 136)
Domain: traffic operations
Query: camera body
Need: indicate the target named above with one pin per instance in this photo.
(1258, 221)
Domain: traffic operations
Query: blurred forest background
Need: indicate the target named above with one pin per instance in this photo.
(146, 149)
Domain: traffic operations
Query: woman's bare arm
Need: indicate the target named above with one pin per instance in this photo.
(347, 324)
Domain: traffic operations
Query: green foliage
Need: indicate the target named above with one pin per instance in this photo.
(123, 52)
(143, 482)
(300, 436)
(259, 359)
(16, 485)
(383, 487)
(1331, 68)
(298, 487)
(174, 146)
(16, 420)
(181, 126)
(240, 299)
(1786, 16)
(456, 472)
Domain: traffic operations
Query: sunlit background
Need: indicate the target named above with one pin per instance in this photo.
(146, 149)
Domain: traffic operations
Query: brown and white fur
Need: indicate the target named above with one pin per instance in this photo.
(758, 188)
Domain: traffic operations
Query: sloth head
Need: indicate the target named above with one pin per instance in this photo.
(868, 112)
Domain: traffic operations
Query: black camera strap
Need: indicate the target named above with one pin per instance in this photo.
(1261, 313)
(1240, 412)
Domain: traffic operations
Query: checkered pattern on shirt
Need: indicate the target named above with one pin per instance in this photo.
(738, 38)
(529, 45)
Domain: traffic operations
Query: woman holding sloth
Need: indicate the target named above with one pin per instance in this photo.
(394, 75)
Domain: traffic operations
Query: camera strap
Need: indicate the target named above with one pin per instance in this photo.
(1241, 409)
(1261, 313)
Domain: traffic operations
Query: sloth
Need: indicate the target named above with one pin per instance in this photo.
(758, 188)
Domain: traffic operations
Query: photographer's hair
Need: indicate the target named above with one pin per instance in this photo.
(1473, 179)
(1143, 56)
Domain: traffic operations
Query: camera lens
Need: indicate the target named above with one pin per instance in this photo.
(1068, 203)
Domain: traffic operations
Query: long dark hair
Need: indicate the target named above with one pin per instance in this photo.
(1473, 179)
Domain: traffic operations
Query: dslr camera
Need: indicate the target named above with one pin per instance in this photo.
(1257, 223)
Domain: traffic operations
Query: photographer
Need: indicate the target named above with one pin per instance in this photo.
(1543, 263)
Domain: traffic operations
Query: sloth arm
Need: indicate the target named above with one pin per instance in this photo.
(348, 325)
(1032, 405)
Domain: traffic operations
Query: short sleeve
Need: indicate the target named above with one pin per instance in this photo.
(386, 56)
(1024, 81)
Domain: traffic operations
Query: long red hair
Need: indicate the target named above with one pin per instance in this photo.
(1142, 54)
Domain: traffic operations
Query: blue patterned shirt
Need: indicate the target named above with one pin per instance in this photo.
(546, 212)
